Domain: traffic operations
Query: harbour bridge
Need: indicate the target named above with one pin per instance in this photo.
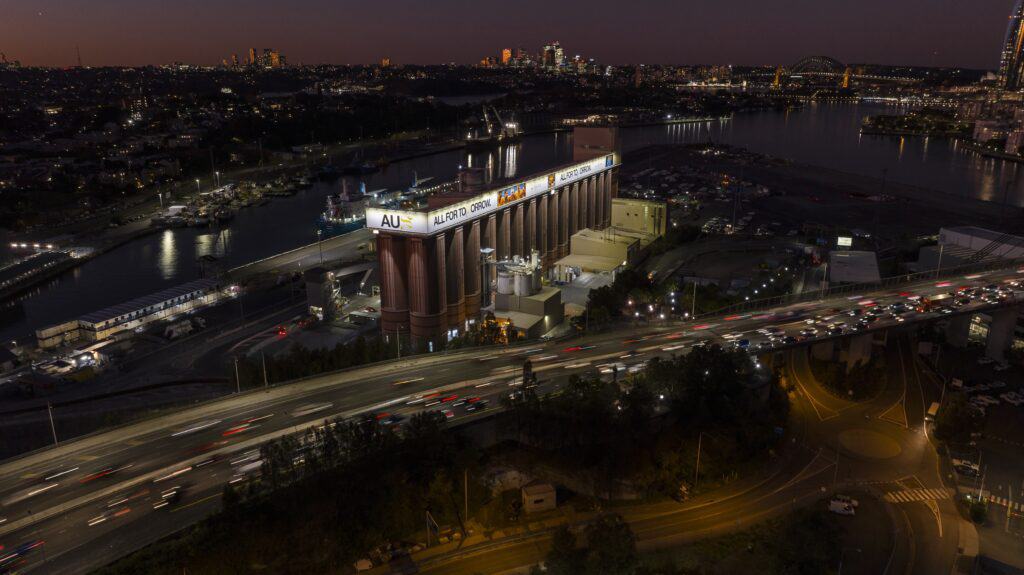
(827, 67)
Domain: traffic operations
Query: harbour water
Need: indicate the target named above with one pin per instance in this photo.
(820, 134)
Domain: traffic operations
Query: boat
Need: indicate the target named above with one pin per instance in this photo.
(345, 212)
(223, 215)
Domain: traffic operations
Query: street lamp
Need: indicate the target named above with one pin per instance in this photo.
(198, 189)
(217, 174)
(320, 245)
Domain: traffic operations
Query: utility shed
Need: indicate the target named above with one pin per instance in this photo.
(539, 497)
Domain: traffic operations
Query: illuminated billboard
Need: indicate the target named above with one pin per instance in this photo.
(416, 222)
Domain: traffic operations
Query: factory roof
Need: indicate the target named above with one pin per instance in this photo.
(853, 267)
(143, 302)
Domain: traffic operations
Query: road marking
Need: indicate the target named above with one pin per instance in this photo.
(810, 398)
(914, 495)
(899, 409)
(933, 505)
(87, 457)
(896, 414)
(197, 502)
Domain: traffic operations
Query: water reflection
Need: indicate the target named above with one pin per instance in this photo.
(511, 161)
(168, 259)
(825, 134)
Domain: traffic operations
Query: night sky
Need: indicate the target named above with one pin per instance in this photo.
(964, 33)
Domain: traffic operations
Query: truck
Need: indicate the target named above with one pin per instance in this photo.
(933, 411)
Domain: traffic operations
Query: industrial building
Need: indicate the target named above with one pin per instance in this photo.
(634, 225)
(522, 301)
(133, 314)
(438, 258)
(963, 245)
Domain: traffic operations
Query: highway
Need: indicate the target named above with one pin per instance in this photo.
(91, 500)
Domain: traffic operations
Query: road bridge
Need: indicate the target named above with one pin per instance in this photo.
(62, 499)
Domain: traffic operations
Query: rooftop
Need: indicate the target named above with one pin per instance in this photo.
(853, 267)
(148, 300)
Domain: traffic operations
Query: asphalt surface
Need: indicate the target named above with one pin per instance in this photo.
(894, 458)
(73, 497)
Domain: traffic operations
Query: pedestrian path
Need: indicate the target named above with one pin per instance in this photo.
(912, 495)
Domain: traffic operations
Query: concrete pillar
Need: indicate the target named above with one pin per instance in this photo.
(563, 222)
(599, 201)
(554, 233)
(530, 231)
(825, 350)
(859, 350)
(574, 208)
(1000, 332)
(611, 191)
(543, 237)
(491, 237)
(455, 277)
(394, 302)
(958, 329)
(518, 229)
(504, 249)
(427, 302)
(471, 269)
(587, 203)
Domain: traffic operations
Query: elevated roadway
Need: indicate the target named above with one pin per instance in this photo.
(91, 499)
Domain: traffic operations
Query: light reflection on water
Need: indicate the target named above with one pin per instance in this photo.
(821, 134)
(168, 261)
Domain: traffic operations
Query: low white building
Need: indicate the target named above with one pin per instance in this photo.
(132, 314)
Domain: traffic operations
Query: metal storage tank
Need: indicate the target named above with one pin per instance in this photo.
(505, 283)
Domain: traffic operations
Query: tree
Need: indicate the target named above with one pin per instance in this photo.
(564, 558)
(230, 498)
(956, 420)
(611, 546)
(979, 512)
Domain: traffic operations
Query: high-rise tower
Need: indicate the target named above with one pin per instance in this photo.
(1011, 62)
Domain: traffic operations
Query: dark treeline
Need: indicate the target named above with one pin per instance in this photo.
(644, 434)
(346, 488)
(300, 361)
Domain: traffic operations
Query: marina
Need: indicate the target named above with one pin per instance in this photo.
(278, 217)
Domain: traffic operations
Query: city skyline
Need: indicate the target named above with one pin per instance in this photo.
(117, 32)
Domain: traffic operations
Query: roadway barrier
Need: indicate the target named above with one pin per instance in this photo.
(855, 289)
(197, 410)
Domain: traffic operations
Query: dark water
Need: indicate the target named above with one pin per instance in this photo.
(823, 134)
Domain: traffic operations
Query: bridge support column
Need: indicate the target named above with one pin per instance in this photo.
(825, 351)
(1000, 332)
(958, 329)
(859, 350)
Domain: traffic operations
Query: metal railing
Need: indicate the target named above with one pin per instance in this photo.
(860, 288)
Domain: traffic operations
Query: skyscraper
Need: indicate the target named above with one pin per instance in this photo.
(252, 56)
(552, 56)
(1011, 63)
(506, 56)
